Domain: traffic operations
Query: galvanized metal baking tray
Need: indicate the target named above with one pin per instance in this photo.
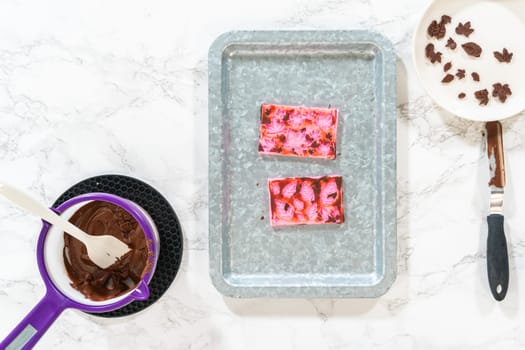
(353, 71)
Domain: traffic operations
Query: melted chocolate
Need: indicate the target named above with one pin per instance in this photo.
(102, 218)
(495, 154)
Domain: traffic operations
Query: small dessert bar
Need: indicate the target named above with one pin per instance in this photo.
(298, 131)
(306, 200)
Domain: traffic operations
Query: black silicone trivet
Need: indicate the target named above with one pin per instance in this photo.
(163, 216)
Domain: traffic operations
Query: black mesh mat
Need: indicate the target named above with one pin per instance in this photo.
(163, 216)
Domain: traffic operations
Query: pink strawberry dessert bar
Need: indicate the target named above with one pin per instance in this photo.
(306, 200)
(298, 131)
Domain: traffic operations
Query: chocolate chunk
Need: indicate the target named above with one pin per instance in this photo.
(503, 56)
(431, 54)
(448, 78)
(447, 66)
(475, 76)
(437, 30)
(460, 74)
(262, 217)
(462, 95)
(451, 44)
(464, 29)
(436, 57)
(501, 91)
(286, 206)
(472, 49)
(433, 28)
(429, 50)
(446, 19)
(482, 96)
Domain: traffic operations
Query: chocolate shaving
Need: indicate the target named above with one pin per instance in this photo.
(503, 56)
(451, 44)
(482, 96)
(431, 54)
(286, 206)
(262, 217)
(475, 76)
(448, 78)
(265, 119)
(330, 219)
(501, 91)
(447, 66)
(462, 95)
(316, 187)
(472, 49)
(460, 74)
(464, 29)
(332, 195)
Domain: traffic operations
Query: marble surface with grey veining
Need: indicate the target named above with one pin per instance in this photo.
(88, 88)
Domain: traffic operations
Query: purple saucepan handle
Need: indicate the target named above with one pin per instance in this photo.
(36, 323)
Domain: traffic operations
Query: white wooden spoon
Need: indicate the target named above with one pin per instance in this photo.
(102, 250)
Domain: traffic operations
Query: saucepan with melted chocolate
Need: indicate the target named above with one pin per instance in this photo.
(73, 281)
(468, 55)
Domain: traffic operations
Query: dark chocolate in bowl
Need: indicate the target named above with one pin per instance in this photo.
(95, 283)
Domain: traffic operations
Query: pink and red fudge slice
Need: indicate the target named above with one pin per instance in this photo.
(298, 131)
(306, 200)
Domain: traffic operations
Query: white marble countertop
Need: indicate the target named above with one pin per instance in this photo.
(121, 87)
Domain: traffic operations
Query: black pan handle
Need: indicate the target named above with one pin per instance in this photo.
(497, 257)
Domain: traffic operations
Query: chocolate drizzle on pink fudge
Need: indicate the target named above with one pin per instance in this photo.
(306, 200)
(298, 131)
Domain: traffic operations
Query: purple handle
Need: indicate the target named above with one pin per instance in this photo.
(35, 324)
